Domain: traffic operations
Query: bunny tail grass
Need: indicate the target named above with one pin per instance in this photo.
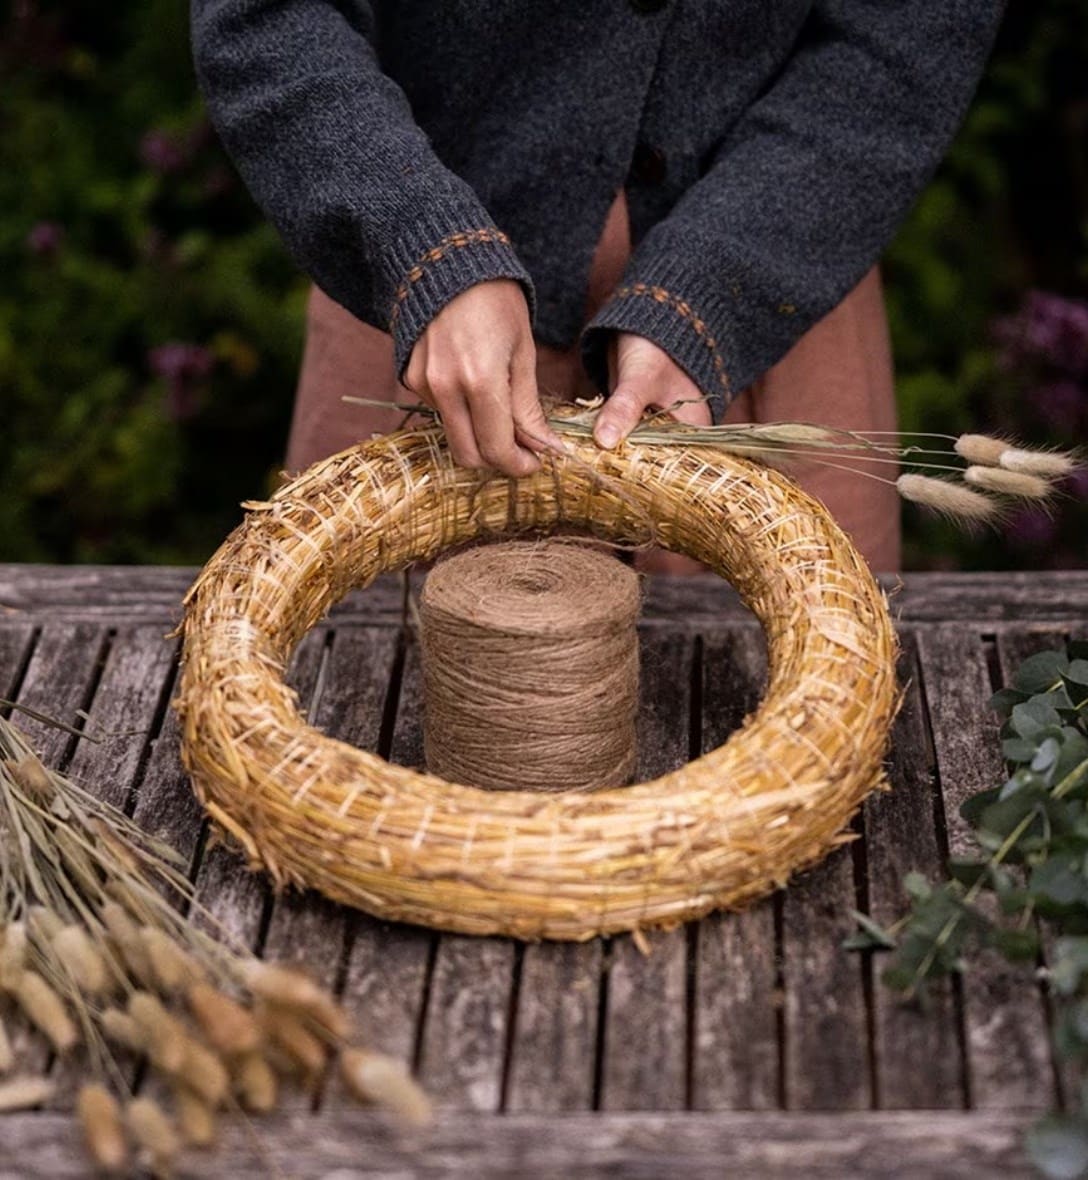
(950, 499)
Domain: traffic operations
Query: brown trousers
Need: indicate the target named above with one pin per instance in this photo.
(838, 374)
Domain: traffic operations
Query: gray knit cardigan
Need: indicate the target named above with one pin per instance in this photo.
(408, 149)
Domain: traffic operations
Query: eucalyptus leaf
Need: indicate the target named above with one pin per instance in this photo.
(917, 886)
(1002, 818)
(1046, 755)
(1018, 749)
(1018, 946)
(969, 871)
(974, 805)
(1060, 880)
(1039, 673)
(1032, 717)
(1077, 672)
(1003, 701)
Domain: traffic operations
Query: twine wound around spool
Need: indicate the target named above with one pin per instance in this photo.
(530, 667)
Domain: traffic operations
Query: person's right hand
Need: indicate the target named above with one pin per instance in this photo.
(476, 365)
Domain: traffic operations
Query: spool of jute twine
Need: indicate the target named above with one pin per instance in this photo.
(530, 667)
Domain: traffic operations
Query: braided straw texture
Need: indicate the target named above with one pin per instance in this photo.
(716, 833)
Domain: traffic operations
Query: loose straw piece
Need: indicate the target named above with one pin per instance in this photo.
(717, 832)
(530, 667)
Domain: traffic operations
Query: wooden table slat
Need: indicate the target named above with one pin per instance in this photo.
(233, 897)
(1012, 650)
(737, 999)
(645, 1064)
(305, 930)
(126, 714)
(132, 592)
(16, 644)
(916, 1145)
(58, 681)
(1007, 1046)
(389, 964)
(901, 836)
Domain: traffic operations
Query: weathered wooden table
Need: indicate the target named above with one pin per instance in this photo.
(744, 1045)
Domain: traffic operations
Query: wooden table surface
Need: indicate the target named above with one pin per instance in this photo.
(742, 1045)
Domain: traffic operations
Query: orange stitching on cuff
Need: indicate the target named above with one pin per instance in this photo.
(684, 309)
(470, 237)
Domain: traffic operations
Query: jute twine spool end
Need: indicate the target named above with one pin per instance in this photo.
(530, 667)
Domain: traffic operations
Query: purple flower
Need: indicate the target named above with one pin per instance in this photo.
(163, 153)
(45, 239)
(1060, 405)
(1032, 528)
(1047, 327)
(183, 367)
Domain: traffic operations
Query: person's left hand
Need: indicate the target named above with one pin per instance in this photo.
(642, 375)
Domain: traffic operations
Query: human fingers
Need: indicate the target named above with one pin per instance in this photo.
(636, 378)
(426, 377)
(530, 423)
(493, 425)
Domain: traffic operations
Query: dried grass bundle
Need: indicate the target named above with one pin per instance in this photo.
(718, 832)
(93, 955)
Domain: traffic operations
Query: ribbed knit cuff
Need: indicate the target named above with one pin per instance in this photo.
(662, 314)
(426, 280)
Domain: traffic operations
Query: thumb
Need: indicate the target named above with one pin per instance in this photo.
(632, 392)
(633, 372)
(620, 414)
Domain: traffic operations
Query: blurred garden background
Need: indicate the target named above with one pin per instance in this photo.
(151, 324)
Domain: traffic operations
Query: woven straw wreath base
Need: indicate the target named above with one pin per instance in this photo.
(727, 827)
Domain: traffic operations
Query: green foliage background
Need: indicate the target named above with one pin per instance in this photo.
(151, 325)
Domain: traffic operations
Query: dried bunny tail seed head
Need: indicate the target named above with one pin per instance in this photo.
(130, 947)
(385, 1081)
(46, 1010)
(81, 960)
(32, 776)
(43, 924)
(203, 1073)
(173, 967)
(1049, 464)
(164, 1036)
(103, 1130)
(287, 988)
(981, 448)
(196, 1118)
(286, 1032)
(950, 499)
(24, 1091)
(1009, 483)
(153, 1131)
(230, 1029)
(122, 1030)
(7, 1054)
(13, 943)
(255, 1083)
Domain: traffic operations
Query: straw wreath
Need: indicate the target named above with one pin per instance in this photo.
(719, 831)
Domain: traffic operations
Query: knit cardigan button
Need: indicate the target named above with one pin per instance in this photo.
(648, 165)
